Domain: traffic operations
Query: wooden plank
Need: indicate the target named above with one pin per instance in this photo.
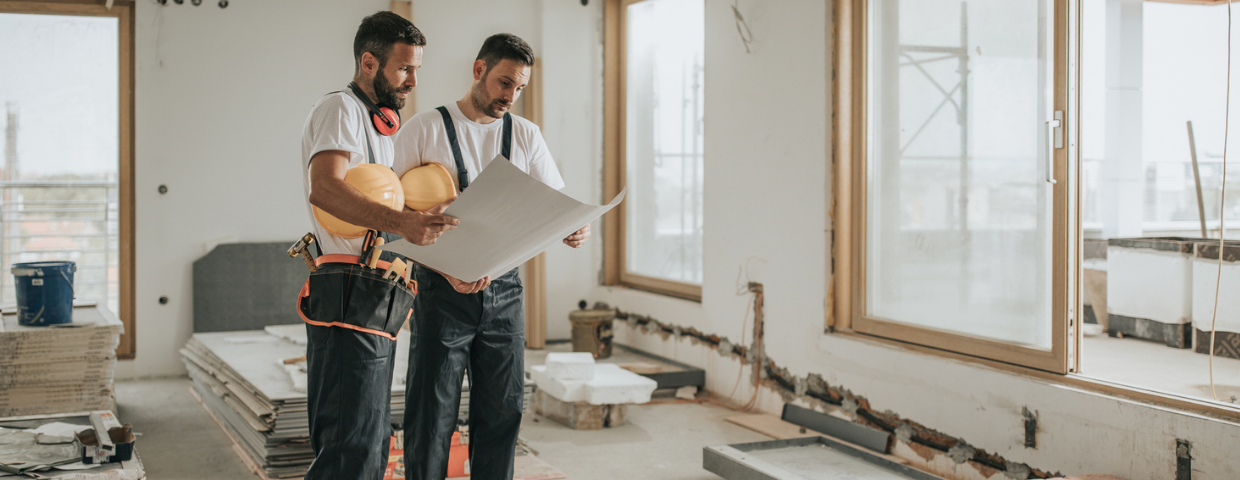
(772, 426)
(613, 118)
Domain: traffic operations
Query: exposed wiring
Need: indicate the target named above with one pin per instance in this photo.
(741, 372)
(742, 27)
(1222, 212)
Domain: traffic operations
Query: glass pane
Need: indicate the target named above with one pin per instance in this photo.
(60, 94)
(663, 144)
(959, 227)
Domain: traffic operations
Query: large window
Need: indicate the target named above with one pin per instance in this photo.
(66, 90)
(1013, 178)
(960, 202)
(654, 144)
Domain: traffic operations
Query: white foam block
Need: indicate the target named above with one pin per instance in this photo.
(611, 385)
(570, 366)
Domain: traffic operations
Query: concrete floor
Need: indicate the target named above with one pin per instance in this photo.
(660, 441)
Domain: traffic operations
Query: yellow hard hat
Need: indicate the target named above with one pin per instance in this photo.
(427, 186)
(374, 181)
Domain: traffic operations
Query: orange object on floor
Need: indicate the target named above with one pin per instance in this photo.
(458, 457)
(396, 459)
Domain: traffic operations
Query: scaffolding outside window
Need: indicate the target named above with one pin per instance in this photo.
(659, 144)
(65, 190)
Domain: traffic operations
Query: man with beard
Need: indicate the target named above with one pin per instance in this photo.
(478, 327)
(350, 367)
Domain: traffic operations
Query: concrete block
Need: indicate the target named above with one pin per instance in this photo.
(610, 385)
(570, 366)
(578, 415)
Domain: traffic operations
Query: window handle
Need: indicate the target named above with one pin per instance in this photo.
(1054, 133)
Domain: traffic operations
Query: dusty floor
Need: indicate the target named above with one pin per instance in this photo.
(659, 441)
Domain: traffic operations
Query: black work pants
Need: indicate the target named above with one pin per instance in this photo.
(348, 395)
(484, 334)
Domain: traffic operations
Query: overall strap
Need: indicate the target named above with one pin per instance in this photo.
(462, 175)
(370, 152)
(507, 151)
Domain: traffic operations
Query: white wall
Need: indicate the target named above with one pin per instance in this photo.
(767, 197)
(454, 33)
(222, 95)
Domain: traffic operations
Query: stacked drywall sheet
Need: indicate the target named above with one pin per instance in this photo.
(65, 368)
(242, 379)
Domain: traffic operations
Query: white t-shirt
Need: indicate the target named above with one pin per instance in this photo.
(423, 140)
(339, 121)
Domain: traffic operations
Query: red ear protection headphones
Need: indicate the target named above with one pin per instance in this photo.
(385, 120)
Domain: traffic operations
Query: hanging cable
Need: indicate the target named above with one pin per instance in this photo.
(742, 27)
(1222, 201)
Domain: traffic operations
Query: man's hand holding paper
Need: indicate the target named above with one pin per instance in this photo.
(506, 218)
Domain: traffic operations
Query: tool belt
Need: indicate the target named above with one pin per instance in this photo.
(344, 293)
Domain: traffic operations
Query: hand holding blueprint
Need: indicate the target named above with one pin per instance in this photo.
(507, 217)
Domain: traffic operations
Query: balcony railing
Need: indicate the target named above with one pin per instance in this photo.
(62, 220)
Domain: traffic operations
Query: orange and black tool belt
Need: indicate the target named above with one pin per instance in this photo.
(344, 292)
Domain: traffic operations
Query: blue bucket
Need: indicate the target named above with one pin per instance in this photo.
(44, 293)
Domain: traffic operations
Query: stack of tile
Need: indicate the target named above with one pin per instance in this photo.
(243, 381)
(65, 368)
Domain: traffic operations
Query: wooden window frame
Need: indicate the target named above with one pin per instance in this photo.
(848, 141)
(849, 134)
(123, 11)
(615, 271)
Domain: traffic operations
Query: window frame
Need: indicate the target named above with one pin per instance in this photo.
(849, 142)
(123, 11)
(615, 271)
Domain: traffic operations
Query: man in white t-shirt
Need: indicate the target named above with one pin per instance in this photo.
(477, 327)
(351, 343)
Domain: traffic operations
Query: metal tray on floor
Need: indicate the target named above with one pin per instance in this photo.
(809, 458)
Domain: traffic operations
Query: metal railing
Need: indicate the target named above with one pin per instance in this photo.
(63, 220)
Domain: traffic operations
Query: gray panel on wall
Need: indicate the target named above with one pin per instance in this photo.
(247, 286)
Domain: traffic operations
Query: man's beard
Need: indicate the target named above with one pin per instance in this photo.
(485, 105)
(386, 93)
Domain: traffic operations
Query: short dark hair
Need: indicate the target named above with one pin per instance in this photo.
(379, 32)
(503, 46)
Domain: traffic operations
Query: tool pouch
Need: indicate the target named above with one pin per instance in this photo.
(351, 296)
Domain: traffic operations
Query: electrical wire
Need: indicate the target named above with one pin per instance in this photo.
(742, 27)
(1222, 212)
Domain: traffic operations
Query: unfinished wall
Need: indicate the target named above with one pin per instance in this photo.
(767, 199)
(222, 95)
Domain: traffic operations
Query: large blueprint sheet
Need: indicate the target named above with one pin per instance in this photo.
(507, 217)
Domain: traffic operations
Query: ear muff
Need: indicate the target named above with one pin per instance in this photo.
(385, 119)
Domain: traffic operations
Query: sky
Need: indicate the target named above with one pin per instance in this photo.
(61, 75)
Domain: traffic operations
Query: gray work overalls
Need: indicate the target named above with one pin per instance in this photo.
(453, 333)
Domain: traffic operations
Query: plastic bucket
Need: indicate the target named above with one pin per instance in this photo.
(44, 292)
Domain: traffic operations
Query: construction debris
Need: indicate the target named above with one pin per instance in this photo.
(260, 400)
